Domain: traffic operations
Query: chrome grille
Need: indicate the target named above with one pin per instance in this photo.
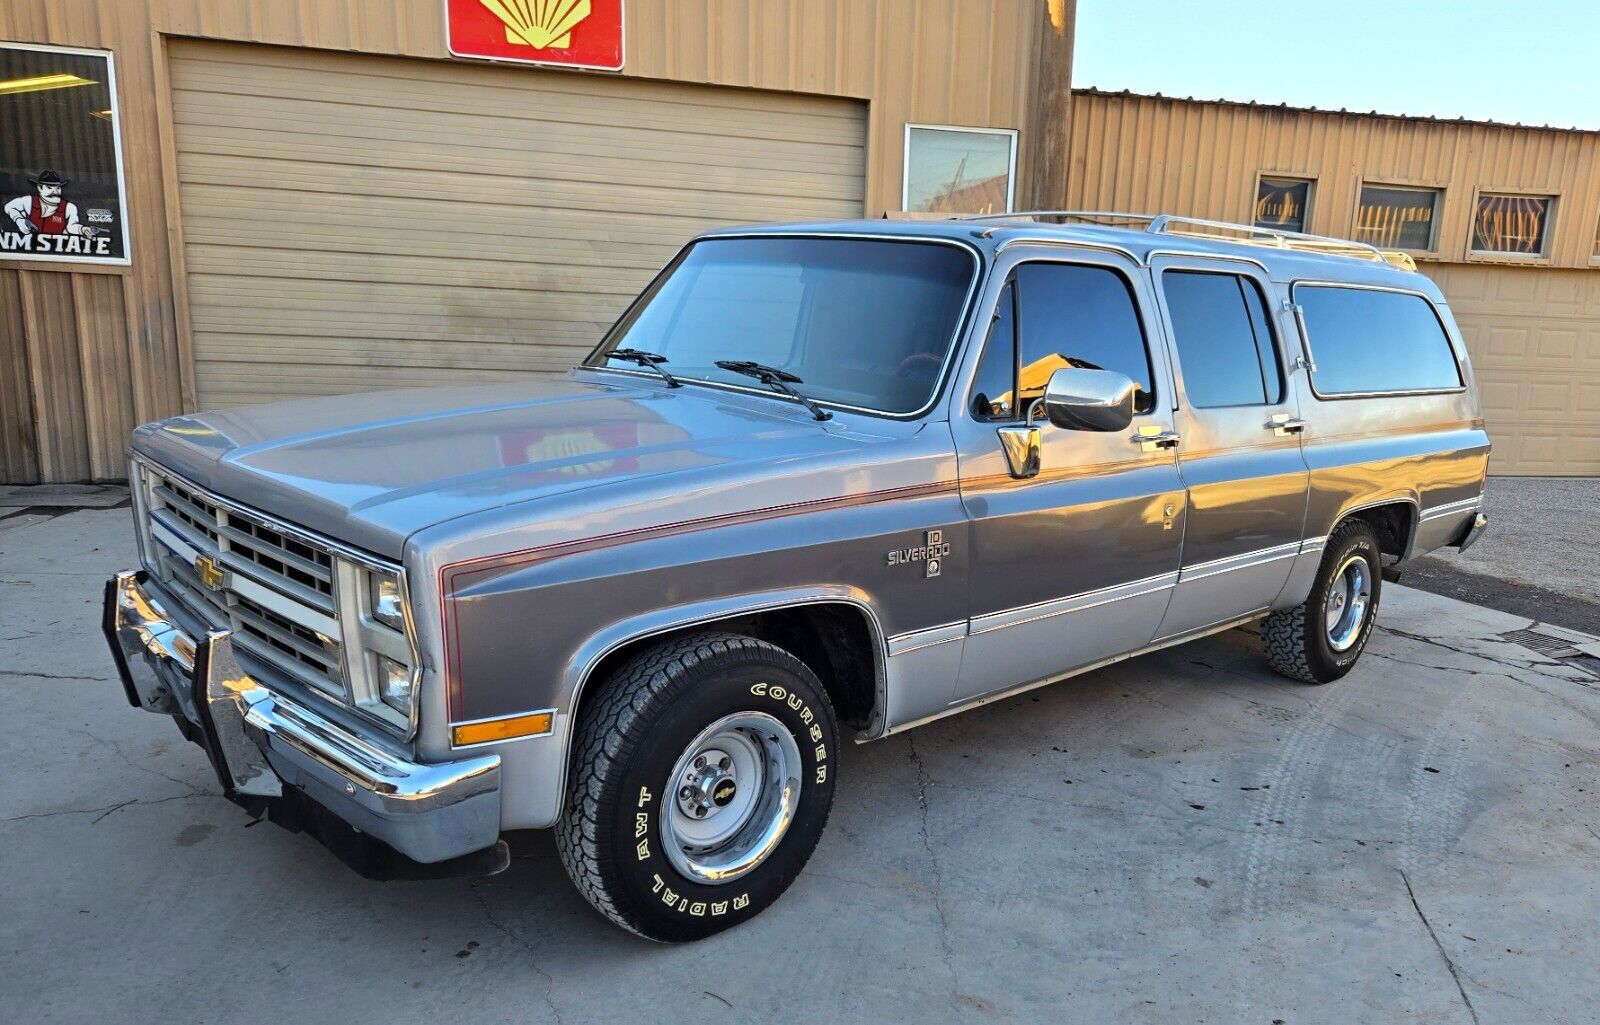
(299, 633)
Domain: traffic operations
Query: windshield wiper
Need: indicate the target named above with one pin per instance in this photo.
(652, 360)
(772, 377)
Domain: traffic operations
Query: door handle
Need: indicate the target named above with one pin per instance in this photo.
(1283, 425)
(1151, 439)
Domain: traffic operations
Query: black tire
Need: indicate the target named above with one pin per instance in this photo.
(630, 736)
(1296, 640)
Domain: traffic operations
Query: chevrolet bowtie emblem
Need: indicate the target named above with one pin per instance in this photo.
(209, 572)
(541, 24)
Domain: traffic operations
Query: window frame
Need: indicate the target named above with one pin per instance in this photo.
(905, 159)
(981, 348)
(1311, 355)
(1274, 332)
(1439, 196)
(1553, 202)
(86, 263)
(1311, 197)
(980, 270)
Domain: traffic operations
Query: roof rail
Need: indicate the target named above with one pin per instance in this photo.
(1174, 224)
(1065, 215)
(1223, 231)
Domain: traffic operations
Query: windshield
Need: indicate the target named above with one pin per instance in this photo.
(861, 322)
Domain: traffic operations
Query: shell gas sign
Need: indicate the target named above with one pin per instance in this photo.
(567, 33)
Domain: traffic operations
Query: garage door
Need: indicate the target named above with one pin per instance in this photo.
(357, 222)
(1534, 335)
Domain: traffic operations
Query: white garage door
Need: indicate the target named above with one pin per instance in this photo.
(357, 222)
(1534, 335)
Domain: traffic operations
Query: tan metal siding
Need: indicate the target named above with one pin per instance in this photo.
(1147, 153)
(964, 62)
(360, 222)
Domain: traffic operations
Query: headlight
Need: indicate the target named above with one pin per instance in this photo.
(394, 684)
(387, 605)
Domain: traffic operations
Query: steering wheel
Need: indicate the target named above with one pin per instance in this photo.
(917, 361)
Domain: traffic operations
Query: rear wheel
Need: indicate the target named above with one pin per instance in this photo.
(702, 779)
(1321, 639)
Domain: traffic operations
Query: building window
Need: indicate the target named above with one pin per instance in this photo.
(1511, 224)
(60, 158)
(1283, 204)
(1396, 217)
(959, 170)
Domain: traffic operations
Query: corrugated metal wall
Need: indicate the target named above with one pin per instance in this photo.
(102, 350)
(1531, 324)
(1145, 153)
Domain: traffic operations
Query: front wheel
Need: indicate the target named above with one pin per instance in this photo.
(702, 778)
(1321, 639)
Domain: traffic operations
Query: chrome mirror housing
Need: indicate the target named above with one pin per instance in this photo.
(1089, 400)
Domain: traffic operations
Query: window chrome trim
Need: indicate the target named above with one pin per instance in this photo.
(963, 322)
(1305, 339)
(905, 158)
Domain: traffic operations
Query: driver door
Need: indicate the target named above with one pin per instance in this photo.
(1075, 564)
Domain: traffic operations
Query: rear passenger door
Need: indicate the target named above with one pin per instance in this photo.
(1239, 452)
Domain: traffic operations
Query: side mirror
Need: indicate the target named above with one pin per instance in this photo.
(1089, 400)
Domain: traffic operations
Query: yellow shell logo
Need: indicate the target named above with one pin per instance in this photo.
(541, 24)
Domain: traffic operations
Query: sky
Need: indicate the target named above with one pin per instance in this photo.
(1528, 61)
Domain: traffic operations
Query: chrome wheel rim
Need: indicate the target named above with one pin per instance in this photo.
(731, 797)
(1349, 598)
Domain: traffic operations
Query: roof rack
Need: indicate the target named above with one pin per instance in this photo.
(1225, 231)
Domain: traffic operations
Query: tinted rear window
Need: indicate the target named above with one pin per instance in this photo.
(1220, 325)
(1369, 341)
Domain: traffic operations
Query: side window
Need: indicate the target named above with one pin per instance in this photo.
(1224, 339)
(1364, 340)
(996, 382)
(1070, 315)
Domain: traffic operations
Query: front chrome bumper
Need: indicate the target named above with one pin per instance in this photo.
(259, 741)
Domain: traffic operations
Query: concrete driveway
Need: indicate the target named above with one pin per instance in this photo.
(1182, 838)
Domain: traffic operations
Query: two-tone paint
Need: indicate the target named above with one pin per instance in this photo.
(531, 559)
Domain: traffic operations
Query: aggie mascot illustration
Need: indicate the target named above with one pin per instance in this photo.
(48, 223)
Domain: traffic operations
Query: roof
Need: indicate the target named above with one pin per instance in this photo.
(1341, 112)
(989, 234)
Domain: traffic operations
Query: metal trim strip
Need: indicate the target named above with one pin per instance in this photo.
(916, 640)
(1246, 560)
(992, 621)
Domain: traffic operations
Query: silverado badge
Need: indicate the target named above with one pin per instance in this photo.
(211, 574)
(930, 553)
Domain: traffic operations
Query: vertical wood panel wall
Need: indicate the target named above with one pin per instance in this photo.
(86, 355)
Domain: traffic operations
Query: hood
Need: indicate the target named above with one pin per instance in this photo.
(374, 468)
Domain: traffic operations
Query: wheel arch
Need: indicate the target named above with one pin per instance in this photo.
(1394, 519)
(797, 621)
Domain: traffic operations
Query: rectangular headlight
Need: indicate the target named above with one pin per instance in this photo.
(388, 607)
(394, 684)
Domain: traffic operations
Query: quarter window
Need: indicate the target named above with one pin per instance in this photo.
(1282, 203)
(1224, 339)
(1365, 341)
(1395, 217)
(1511, 224)
(1065, 315)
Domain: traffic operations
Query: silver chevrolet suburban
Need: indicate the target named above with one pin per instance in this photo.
(819, 483)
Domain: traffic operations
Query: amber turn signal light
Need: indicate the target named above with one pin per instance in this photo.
(534, 724)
